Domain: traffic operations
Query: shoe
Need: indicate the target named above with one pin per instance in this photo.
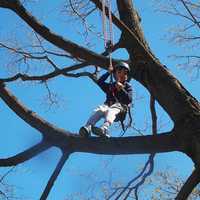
(84, 131)
(102, 132)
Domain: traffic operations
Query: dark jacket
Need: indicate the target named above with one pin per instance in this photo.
(123, 96)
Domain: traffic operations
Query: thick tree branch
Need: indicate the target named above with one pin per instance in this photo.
(189, 185)
(165, 142)
(68, 141)
(128, 145)
(54, 176)
(130, 17)
(25, 155)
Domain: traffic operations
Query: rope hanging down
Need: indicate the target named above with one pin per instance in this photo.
(107, 31)
(108, 44)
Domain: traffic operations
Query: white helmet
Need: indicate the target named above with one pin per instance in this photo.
(122, 65)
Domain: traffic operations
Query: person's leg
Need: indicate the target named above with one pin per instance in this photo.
(110, 116)
(94, 118)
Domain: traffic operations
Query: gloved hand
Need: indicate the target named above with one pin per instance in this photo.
(110, 69)
(119, 86)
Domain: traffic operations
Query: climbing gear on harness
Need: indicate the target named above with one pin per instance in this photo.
(122, 116)
(123, 111)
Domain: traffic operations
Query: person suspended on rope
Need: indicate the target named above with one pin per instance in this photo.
(118, 98)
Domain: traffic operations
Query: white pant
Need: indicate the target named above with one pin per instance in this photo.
(104, 111)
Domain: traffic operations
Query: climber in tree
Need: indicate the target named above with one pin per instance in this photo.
(118, 98)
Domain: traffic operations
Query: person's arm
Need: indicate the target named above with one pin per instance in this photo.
(103, 78)
(106, 75)
(101, 82)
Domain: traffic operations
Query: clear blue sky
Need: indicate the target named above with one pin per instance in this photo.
(77, 98)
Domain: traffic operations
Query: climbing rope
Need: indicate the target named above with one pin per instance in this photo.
(107, 29)
(108, 45)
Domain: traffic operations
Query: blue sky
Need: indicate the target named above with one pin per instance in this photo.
(77, 98)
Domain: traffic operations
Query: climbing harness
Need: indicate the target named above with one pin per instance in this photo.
(126, 109)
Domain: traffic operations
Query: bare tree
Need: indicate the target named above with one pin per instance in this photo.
(167, 184)
(185, 33)
(180, 105)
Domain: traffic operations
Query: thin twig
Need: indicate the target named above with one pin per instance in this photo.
(189, 11)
